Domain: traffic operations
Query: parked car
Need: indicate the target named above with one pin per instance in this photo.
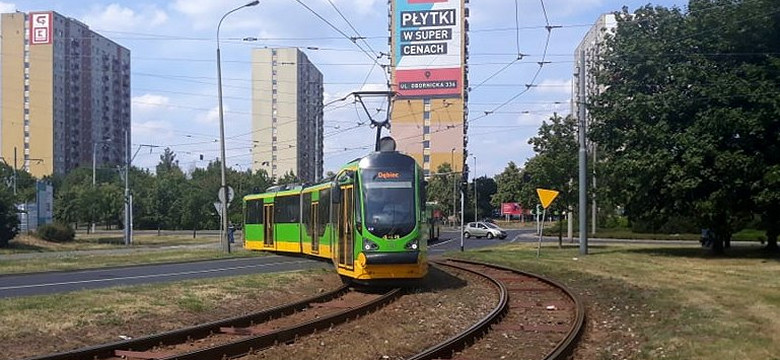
(486, 229)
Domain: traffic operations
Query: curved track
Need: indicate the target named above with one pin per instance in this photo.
(241, 335)
(539, 317)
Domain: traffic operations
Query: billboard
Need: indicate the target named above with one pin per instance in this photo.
(40, 28)
(428, 48)
(511, 209)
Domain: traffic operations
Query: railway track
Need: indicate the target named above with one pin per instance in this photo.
(241, 335)
(535, 318)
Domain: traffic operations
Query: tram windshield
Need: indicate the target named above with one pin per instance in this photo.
(389, 198)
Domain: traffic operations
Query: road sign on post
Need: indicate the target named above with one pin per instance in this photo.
(221, 194)
(546, 197)
(218, 206)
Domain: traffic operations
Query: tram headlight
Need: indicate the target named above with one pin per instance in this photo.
(412, 245)
(369, 245)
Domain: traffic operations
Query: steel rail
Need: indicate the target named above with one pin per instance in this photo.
(562, 349)
(198, 331)
(291, 333)
(459, 341)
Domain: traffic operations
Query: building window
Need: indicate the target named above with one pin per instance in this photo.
(426, 173)
(426, 101)
(426, 144)
(426, 158)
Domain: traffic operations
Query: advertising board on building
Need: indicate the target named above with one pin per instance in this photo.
(40, 28)
(428, 48)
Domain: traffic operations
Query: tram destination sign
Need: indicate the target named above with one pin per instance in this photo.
(427, 48)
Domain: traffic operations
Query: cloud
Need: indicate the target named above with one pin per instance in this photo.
(149, 102)
(152, 129)
(115, 17)
(555, 86)
(211, 116)
(7, 7)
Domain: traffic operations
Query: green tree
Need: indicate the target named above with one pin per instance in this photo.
(486, 187)
(555, 164)
(9, 222)
(689, 108)
(440, 188)
(169, 187)
(509, 186)
(288, 178)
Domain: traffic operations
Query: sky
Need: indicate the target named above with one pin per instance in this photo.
(173, 69)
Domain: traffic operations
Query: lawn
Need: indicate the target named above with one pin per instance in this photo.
(672, 302)
(101, 241)
(80, 254)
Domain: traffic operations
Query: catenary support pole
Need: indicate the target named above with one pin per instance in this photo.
(461, 219)
(583, 206)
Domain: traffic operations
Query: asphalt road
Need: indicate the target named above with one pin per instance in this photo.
(64, 281)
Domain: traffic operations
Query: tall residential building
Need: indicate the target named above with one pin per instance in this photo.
(287, 113)
(593, 45)
(64, 91)
(429, 65)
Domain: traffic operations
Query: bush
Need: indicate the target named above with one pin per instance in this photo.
(56, 233)
(9, 222)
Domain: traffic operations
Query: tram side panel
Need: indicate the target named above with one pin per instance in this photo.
(287, 227)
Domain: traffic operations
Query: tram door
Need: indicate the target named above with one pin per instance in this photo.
(315, 231)
(346, 231)
(268, 225)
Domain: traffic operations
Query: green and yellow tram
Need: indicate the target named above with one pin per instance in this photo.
(370, 219)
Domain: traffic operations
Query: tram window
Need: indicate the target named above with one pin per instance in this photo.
(287, 209)
(324, 209)
(307, 213)
(254, 211)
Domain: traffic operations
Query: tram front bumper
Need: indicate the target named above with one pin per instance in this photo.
(394, 258)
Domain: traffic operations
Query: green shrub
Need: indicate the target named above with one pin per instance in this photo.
(56, 233)
(9, 222)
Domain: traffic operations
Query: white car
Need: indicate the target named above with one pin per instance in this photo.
(486, 229)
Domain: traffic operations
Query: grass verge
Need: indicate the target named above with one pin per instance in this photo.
(27, 243)
(76, 260)
(45, 324)
(664, 301)
(625, 233)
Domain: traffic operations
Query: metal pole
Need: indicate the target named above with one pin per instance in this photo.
(14, 173)
(475, 188)
(461, 220)
(128, 208)
(541, 230)
(223, 182)
(94, 149)
(452, 160)
(583, 155)
(593, 204)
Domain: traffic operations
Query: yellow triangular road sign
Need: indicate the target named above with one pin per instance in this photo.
(546, 196)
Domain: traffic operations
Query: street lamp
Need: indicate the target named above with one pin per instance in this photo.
(223, 185)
